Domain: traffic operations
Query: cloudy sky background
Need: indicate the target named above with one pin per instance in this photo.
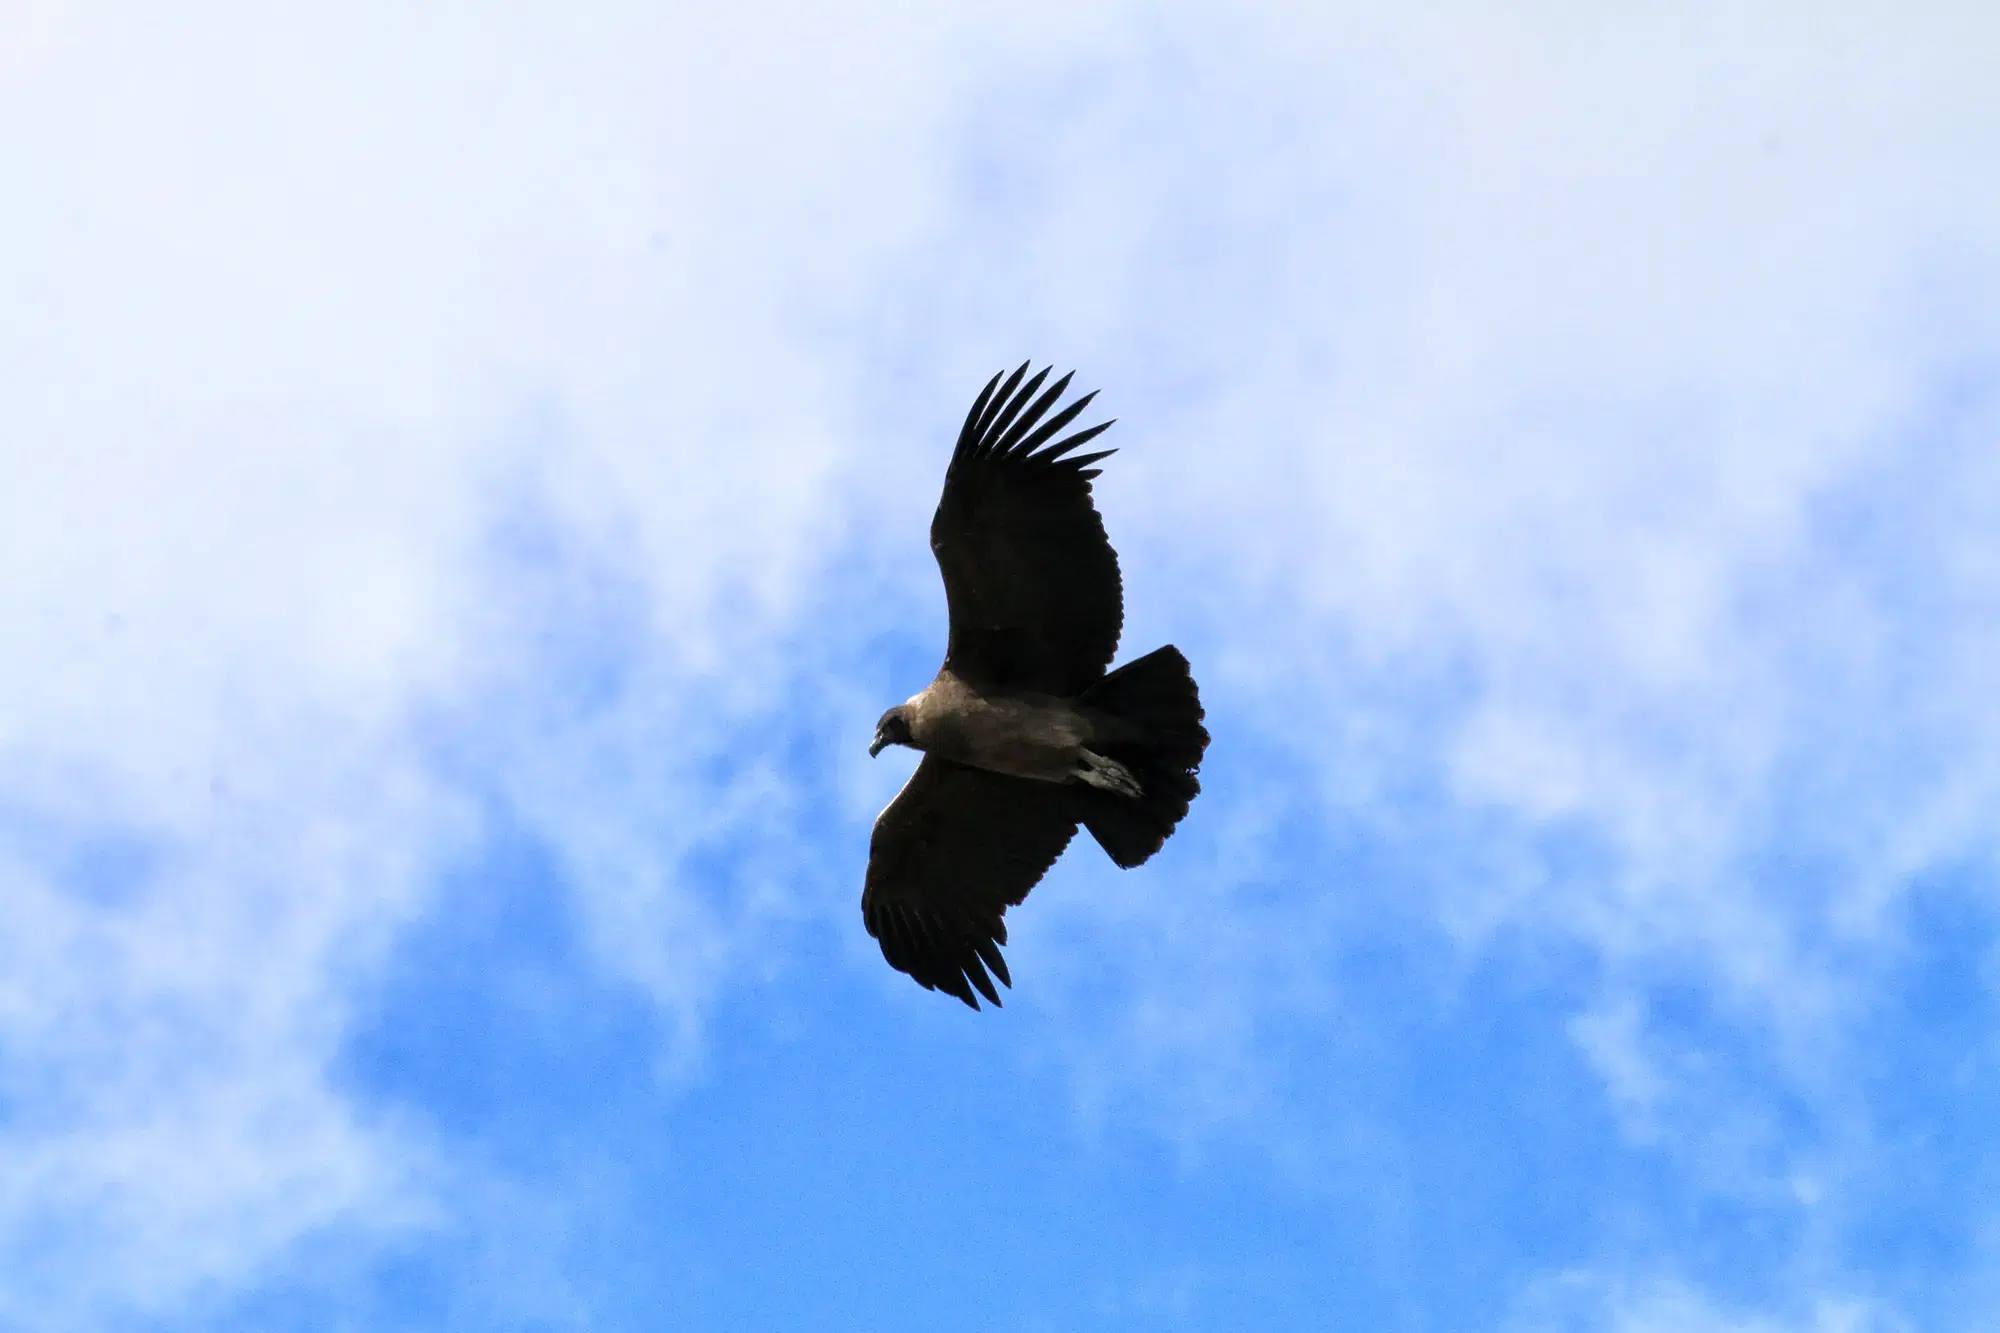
(465, 484)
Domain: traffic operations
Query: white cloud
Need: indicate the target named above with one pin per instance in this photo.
(1581, 1302)
(311, 316)
(1502, 398)
(1579, 422)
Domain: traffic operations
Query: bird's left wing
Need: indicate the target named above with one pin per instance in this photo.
(1031, 582)
(955, 849)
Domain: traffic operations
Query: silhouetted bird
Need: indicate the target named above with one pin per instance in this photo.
(1024, 735)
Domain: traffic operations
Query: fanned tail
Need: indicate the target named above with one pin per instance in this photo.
(1157, 695)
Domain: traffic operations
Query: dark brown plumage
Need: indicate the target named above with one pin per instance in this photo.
(1024, 733)
(1030, 579)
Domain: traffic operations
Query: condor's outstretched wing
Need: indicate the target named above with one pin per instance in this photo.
(1030, 579)
(955, 849)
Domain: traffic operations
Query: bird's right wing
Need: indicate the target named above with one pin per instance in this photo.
(955, 849)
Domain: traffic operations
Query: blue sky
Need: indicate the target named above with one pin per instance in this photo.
(466, 488)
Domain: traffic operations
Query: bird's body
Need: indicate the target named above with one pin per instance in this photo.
(1025, 735)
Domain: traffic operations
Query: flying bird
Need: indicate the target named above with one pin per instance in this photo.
(1024, 736)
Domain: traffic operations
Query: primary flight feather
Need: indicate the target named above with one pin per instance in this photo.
(1024, 735)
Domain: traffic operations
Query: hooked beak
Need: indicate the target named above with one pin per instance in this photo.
(880, 743)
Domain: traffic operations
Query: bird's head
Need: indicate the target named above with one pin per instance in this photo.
(893, 729)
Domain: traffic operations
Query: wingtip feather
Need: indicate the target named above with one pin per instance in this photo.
(981, 980)
(1003, 422)
(1053, 427)
(996, 963)
(993, 408)
(967, 433)
(993, 440)
(955, 985)
(1011, 442)
(1082, 437)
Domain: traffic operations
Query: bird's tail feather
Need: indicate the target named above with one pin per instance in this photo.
(1157, 695)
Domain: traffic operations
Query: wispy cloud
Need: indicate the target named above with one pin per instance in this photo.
(1576, 1302)
(1564, 432)
(1561, 445)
